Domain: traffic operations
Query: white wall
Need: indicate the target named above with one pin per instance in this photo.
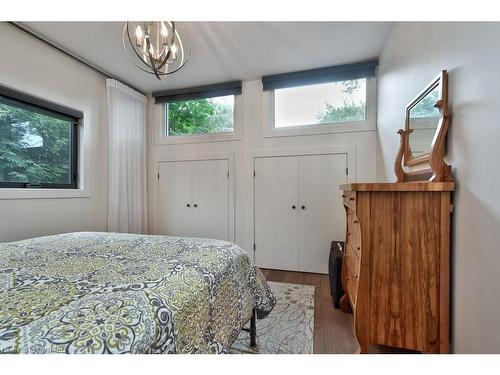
(28, 65)
(413, 55)
(252, 141)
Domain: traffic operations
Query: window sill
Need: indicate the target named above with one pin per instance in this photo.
(11, 193)
(318, 129)
(217, 137)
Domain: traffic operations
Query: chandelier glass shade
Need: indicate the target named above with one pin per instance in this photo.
(154, 47)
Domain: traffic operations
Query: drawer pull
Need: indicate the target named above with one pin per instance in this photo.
(343, 195)
(356, 222)
(351, 199)
(359, 248)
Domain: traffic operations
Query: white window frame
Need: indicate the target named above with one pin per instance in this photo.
(369, 124)
(161, 137)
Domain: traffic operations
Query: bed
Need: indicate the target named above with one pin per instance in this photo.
(90, 292)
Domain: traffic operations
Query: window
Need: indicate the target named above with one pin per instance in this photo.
(38, 144)
(318, 101)
(201, 116)
(333, 102)
(209, 113)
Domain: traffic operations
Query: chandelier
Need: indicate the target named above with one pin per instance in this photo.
(154, 47)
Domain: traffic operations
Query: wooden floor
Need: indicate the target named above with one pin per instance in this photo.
(333, 331)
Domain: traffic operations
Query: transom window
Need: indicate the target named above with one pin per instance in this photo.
(325, 100)
(200, 116)
(326, 103)
(38, 146)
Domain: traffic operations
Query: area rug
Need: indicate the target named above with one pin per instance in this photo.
(289, 327)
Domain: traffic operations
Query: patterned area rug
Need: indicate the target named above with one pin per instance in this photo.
(290, 326)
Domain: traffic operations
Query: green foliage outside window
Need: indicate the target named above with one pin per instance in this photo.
(202, 116)
(348, 112)
(425, 108)
(34, 148)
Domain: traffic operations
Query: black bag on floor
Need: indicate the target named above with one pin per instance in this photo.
(335, 270)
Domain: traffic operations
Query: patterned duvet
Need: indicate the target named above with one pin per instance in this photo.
(121, 293)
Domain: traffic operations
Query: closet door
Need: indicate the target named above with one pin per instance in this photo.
(276, 222)
(321, 214)
(174, 196)
(211, 199)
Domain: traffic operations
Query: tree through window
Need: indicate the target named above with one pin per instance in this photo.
(37, 148)
(201, 116)
(333, 102)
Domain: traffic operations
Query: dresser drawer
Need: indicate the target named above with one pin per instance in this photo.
(352, 254)
(349, 199)
(352, 261)
(352, 288)
(353, 241)
(355, 249)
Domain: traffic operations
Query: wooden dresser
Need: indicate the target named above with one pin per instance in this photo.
(396, 267)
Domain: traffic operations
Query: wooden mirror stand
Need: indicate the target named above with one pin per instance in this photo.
(438, 170)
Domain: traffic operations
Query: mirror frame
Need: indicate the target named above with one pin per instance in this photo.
(442, 80)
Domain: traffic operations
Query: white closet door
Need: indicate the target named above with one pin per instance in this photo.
(174, 194)
(321, 214)
(276, 222)
(211, 199)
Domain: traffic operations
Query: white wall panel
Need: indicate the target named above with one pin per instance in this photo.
(42, 71)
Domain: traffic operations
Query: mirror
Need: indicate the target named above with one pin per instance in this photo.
(422, 119)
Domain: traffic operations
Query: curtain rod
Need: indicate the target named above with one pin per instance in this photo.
(69, 54)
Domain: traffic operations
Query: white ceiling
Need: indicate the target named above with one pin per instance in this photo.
(223, 51)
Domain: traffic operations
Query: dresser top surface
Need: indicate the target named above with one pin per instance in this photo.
(399, 186)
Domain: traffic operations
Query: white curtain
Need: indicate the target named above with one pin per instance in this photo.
(126, 111)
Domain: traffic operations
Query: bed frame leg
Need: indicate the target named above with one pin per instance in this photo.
(253, 329)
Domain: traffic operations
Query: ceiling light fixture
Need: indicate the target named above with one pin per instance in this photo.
(157, 47)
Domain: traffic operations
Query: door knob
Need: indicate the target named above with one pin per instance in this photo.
(303, 207)
(293, 207)
(188, 205)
